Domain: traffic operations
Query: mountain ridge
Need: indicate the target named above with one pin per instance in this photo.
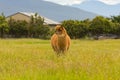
(48, 9)
(99, 8)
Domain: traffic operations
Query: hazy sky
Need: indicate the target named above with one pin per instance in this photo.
(71, 2)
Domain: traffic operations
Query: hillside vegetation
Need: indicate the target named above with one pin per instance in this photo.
(34, 59)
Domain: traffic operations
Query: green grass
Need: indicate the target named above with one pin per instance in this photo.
(34, 59)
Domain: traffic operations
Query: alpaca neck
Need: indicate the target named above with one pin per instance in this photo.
(61, 40)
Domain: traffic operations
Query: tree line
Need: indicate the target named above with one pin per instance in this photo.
(75, 28)
(95, 27)
(18, 28)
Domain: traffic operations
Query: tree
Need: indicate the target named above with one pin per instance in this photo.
(70, 27)
(75, 28)
(100, 25)
(35, 22)
(115, 29)
(18, 28)
(115, 19)
(3, 26)
(37, 27)
(116, 25)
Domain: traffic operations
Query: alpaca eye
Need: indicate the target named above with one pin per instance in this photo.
(59, 30)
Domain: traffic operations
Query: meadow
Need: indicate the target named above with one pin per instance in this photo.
(34, 59)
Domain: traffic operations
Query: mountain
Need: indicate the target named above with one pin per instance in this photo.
(48, 9)
(99, 8)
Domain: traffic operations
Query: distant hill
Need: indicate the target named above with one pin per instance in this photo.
(50, 10)
(99, 8)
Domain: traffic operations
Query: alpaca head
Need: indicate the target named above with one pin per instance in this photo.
(60, 31)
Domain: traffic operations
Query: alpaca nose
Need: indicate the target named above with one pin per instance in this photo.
(57, 32)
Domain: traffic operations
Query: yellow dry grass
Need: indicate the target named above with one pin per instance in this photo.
(34, 59)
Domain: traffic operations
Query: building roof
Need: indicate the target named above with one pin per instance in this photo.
(46, 20)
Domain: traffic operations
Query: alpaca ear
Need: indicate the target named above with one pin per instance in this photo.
(62, 27)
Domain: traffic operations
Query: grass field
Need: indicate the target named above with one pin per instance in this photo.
(34, 59)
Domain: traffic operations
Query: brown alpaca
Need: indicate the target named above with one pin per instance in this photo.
(60, 40)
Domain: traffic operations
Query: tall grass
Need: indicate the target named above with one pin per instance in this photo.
(34, 59)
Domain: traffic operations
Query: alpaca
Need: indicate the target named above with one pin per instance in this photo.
(60, 40)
